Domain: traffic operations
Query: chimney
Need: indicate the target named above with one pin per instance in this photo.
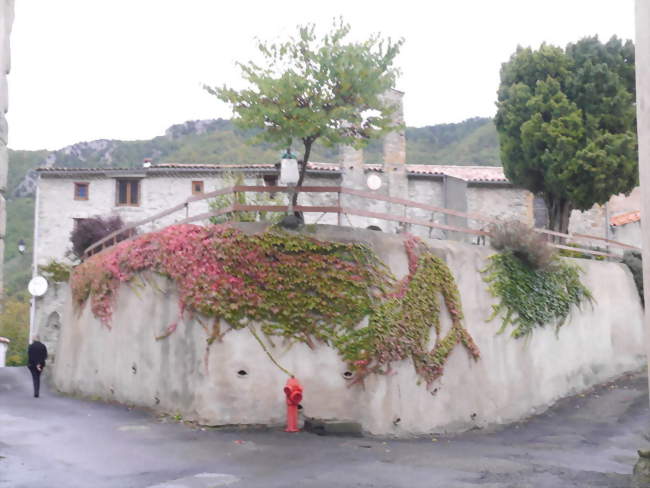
(395, 142)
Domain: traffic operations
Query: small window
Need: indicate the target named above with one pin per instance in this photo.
(127, 192)
(271, 180)
(197, 188)
(81, 191)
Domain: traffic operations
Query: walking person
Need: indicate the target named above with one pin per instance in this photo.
(36, 356)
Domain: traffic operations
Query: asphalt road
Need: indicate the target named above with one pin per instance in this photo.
(57, 441)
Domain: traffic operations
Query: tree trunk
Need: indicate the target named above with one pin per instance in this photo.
(559, 213)
(303, 171)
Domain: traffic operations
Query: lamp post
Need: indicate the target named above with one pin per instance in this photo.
(289, 176)
(21, 246)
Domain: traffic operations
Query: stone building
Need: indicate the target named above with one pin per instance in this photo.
(67, 195)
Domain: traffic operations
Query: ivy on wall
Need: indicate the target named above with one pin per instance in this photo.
(530, 297)
(56, 271)
(297, 288)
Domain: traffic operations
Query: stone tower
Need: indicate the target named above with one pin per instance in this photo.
(395, 153)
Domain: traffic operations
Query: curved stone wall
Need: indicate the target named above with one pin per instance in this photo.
(513, 379)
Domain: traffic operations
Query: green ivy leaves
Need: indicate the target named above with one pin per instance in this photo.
(533, 298)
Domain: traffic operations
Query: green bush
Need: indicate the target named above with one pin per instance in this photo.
(14, 325)
(530, 297)
(56, 271)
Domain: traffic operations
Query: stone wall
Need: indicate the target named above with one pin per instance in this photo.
(47, 316)
(512, 380)
(627, 234)
(6, 22)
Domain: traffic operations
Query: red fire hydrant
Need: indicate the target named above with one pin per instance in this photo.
(293, 391)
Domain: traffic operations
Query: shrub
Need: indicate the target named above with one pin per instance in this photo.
(634, 261)
(522, 241)
(14, 325)
(56, 271)
(531, 298)
(89, 231)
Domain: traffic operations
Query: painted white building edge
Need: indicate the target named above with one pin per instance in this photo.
(4, 345)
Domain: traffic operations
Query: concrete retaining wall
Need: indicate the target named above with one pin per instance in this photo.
(513, 379)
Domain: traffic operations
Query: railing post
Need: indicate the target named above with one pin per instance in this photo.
(338, 213)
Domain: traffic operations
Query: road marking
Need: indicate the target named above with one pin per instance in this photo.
(128, 428)
(200, 480)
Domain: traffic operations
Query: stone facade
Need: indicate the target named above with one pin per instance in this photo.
(6, 22)
(57, 209)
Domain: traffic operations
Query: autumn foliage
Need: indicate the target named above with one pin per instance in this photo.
(294, 286)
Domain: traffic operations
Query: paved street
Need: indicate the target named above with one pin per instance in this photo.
(57, 441)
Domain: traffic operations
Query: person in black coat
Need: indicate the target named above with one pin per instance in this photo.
(36, 356)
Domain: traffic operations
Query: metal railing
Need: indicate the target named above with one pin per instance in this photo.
(131, 230)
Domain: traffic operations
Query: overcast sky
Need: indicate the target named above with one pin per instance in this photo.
(128, 69)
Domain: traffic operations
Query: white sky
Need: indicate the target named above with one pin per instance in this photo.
(128, 69)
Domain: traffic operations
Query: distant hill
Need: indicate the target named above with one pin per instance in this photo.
(473, 141)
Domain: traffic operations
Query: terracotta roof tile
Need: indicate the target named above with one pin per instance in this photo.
(467, 173)
(625, 218)
(475, 174)
(210, 166)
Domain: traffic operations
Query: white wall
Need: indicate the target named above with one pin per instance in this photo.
(3, 353)
(512, 380)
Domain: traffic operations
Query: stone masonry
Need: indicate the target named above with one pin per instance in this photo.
(6, 21)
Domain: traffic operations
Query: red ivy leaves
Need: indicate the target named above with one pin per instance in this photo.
(296, 287)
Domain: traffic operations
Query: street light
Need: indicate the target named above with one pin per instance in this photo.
(289, 173)
(289, 176)
(21, 246)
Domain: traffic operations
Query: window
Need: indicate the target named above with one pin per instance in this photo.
(127, 192)
(271, 180)
(81, 191)
(197, 187)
